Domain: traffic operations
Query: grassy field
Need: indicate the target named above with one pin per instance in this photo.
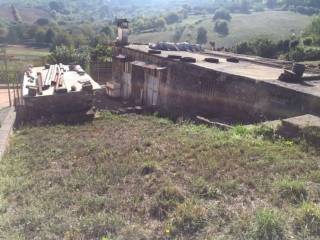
(20, 51)
(143, 177)
(274, 24)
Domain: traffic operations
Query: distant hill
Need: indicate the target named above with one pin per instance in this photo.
(28, 14)
(242, 27)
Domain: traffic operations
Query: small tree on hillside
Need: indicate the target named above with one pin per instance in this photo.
(221, 27)
(172, 18)
(222, 13)
(202, 36)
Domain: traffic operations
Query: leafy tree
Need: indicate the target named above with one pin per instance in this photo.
(40, 36)
(50, 36)
(101, 53)
(178, 33)
(271, 3)
(221, 27)
(63, 38)
(172, 18)
(70, 55)
(264, 47)
(42, 21)
(222, 13)
(202, 36)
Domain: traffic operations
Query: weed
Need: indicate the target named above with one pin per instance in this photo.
(166, 200)
(149, 167)
(265, 131)
(188, 218)
(203, 189)
(230, 187)
(292, 190)
(268, 225)
(308, 219)
(315, 176)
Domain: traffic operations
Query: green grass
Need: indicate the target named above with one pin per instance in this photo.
(143, 177)
(20, 51)
(242, 27)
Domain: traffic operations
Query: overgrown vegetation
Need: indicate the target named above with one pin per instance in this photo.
(142, 177)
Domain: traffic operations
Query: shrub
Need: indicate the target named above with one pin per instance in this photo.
(296, 54)
(203, 189)
(42, 21)
(292, 190)
(268, 225)
(172, 18)
(148, 168)
(223, 14)
(166, 200)
(264, 47)
(307, 41)
(244, 48)
(308, 219)
(188, 218)
(258, 7)
(221, 27)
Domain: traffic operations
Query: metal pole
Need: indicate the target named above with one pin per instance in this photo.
(7, 75)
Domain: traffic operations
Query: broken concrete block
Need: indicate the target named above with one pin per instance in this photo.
(306, 126)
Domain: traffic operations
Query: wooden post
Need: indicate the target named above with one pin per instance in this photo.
(7, 75)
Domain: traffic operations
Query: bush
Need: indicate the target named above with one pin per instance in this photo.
(306, 10)
(166, 200)
(221, 27)
(307, 41)
(264, 47)
(223, 14)
(149, 168)
(244, 48)
(308, 219)
(258, 7)
(188, 218)
(204, 190)
(292, 190)
(268, 225)
(42, 21)
(172, 18)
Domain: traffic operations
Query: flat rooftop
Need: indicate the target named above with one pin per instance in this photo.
(71, 79)
(245, 68)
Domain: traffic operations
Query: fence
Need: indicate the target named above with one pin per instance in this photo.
(101, 72)
(11, 75)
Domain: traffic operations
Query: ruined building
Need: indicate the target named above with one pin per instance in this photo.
(210, 84)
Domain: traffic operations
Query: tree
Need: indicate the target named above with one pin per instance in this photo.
(172, 18)
(42, 21)
(221, 27)
(264, 47)
(245, 6)
(50, 36)
(222, 13)
(69, 55)
(202, 36)
(271, 3)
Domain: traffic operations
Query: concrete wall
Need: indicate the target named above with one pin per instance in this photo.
(187, 89)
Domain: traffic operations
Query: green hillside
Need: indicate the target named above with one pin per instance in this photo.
(274, 24)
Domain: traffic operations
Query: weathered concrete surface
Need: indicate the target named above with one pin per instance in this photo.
(300, 126)
(244, 91)
(6, 130)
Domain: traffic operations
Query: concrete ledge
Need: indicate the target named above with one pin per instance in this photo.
(6, 130)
